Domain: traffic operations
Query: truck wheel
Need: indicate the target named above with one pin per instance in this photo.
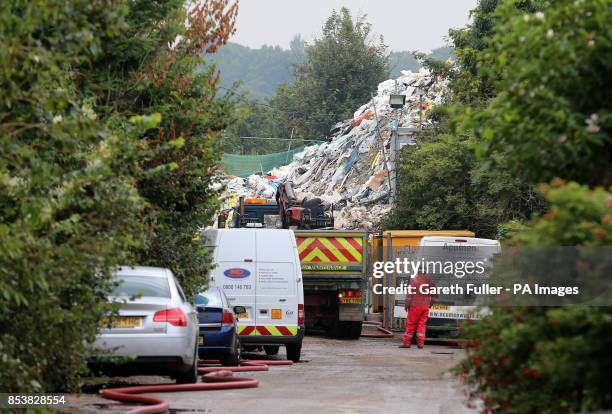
(294, 351)
(271, 349)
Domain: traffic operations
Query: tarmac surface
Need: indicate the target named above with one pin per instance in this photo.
(365, 376)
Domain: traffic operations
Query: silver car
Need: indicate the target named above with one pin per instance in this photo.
(156, 326)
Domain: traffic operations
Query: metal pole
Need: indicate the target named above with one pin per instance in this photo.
(393, 162)
(388, 277)
(289, 148)
(420, 109)
(382, 144)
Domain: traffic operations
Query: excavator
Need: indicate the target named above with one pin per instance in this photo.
(284, 211)
(308, 215)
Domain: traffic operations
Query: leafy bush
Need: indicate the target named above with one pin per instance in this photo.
(552, 112)
(442, 185)
(547, 360)
(540, 360)
(108, 140)
(174, 166)
(67, 206)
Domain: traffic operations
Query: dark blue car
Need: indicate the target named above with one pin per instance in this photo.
(218, 334)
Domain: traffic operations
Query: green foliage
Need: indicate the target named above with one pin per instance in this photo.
(540, 360)
(443, 186)
(578, 216)
(258, 119)
(67, 204)
(548, 360)
(259, 71)
(544, 77)
(440, 191)
(174, 167)
(341, 70)
(107, 139)
(551, 117)
(469, 84)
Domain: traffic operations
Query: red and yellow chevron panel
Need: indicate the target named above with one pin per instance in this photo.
(267, 330)
(330, 250)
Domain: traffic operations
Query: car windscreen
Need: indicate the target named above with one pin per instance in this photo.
(209, 298)
(131, 285)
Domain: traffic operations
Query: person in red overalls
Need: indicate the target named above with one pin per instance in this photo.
(417, 306)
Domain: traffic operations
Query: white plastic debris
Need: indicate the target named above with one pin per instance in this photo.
(350, 170)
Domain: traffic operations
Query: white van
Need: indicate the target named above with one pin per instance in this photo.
(259, 269)
(444, 314)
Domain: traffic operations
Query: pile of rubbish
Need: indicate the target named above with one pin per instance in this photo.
(351, 170)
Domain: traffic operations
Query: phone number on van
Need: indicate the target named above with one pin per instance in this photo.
(237, 287)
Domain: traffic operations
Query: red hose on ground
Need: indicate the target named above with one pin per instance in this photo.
(215, 378)
(385, 333)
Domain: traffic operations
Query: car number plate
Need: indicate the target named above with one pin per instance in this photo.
(440, 307)
(127, 322)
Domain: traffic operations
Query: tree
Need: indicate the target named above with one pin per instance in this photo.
(551, 117)
(69, 210)
(547, 359)
(108, 142)
(258, 119)
(258, 72)
(342, 68)
(151, 68)
(548, 117)
(470, 85)
(443, 186)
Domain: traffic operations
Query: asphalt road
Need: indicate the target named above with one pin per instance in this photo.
(365, 376)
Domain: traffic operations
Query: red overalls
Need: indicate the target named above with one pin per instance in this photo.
(417, 305)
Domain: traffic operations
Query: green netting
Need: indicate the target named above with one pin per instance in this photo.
(245, 165)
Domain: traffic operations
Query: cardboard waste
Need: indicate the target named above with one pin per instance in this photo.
(351, 169)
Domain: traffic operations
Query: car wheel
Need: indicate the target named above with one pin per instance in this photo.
(294, 351)
(191, 375)
(233, 359)
(271, 349)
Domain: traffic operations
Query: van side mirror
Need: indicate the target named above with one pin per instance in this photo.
(239, 309)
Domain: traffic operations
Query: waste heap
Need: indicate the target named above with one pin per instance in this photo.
(351, 169)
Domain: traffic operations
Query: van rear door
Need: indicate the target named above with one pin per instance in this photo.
(277, 280)
(236, 273)
(458, 249)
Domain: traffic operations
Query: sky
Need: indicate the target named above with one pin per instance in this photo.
(405, 24)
